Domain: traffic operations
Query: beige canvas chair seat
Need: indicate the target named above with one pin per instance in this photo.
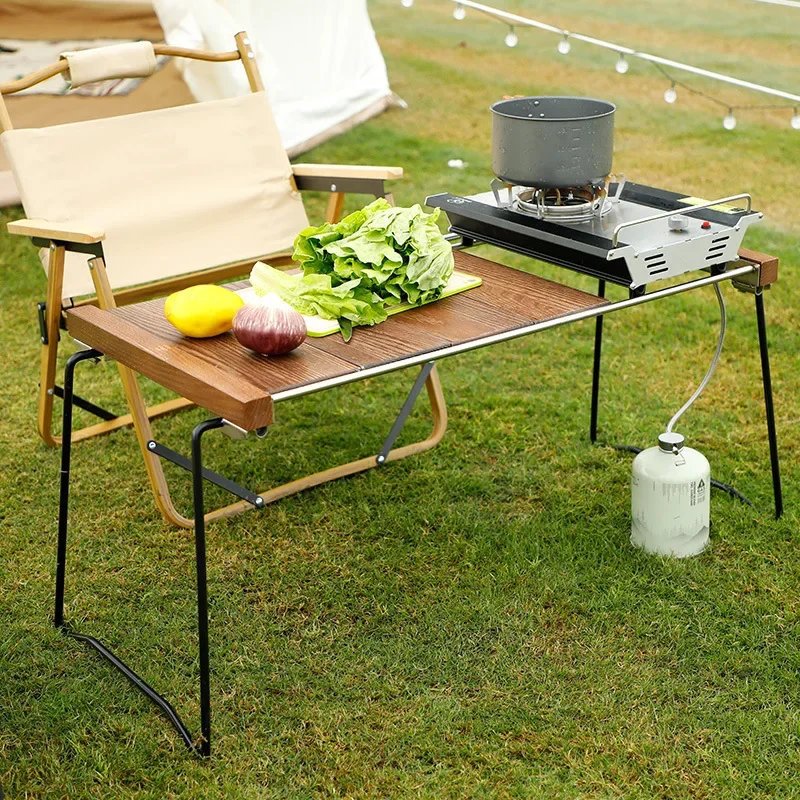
(159, 190)
(162, 199)
(198, 204)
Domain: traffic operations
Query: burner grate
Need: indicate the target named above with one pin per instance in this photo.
(568, 205)
(573, 204)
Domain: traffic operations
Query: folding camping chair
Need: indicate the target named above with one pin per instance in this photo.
(137, 206)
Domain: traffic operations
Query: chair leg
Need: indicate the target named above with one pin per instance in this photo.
(144, 434)
(250, 500)
(160, 487)
(141, 422)
(47, 370)
(335, 204)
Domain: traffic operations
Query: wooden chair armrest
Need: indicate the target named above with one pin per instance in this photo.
(341, 171)
(57, 231)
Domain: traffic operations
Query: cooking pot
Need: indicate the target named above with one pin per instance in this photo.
(552, 141)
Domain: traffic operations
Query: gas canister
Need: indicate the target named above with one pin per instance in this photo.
(670, 498)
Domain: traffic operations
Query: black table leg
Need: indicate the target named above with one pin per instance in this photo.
(202, 587)
(598, 344)
(203, 749)
(768, 404)
(63, 497)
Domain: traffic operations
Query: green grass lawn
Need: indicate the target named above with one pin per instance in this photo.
(471, 622)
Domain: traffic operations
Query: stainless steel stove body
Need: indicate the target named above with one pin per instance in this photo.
(638, 235)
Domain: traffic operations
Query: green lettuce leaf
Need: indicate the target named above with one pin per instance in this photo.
(383, 255)
(314, 295)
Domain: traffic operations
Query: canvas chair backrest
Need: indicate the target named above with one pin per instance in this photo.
(175, 190)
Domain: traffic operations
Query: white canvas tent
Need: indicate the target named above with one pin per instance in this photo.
(319, 60)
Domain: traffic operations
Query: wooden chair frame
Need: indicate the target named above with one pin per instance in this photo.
(336, 179)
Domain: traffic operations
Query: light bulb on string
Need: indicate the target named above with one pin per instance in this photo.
(564, 46)
(795, 121)
(407, 3)
(622, 65)
(511, 40)
(459, 12)
(670, 95)
(729, 123)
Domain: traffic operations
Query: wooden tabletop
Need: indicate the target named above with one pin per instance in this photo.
(237, 384)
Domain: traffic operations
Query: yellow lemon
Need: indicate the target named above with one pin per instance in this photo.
(202, 311)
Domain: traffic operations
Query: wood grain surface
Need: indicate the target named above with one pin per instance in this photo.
(768, 272)
(231, 381)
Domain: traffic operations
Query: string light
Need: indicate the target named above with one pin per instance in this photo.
(671, 95)
(729, 123)
(622, 65)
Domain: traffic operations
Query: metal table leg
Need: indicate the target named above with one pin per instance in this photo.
(63, 498)
(768, 405)
(203, 748)
(61, 561)
(766, 379)
(202, 585)
(598, 345)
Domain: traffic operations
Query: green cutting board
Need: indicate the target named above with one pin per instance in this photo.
(317, 326)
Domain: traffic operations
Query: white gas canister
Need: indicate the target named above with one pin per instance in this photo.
(670, 498)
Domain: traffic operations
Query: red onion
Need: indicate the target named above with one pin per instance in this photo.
(269, 328)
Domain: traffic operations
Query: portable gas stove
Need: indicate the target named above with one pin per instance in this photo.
(622, 232)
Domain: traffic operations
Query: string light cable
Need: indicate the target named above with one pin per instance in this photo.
(729, 122)
(790, 3)
(622, 65)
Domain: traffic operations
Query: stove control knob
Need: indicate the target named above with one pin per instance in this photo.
(678, 223)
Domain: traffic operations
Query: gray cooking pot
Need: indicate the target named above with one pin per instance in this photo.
(552, 141)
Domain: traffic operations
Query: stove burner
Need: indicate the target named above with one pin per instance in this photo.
(573, 204)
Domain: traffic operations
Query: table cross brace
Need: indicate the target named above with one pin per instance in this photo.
(397, 427)
(208, 474)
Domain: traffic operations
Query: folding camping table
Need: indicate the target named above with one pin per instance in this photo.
(241, 388)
